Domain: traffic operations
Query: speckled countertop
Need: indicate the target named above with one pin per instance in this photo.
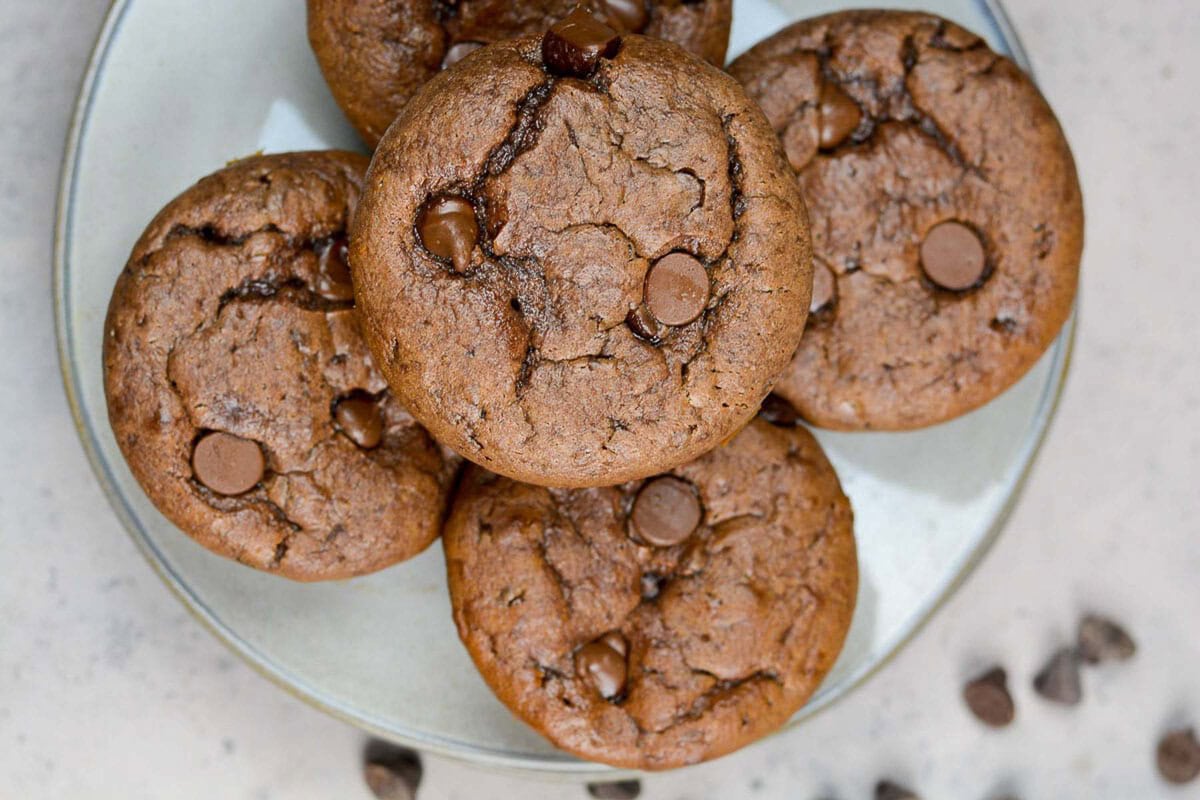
(109, 689)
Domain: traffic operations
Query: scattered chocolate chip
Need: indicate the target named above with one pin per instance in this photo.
(628, 16)
(840, 116)
(886, 790)
(988, 698)
(574, 46)
(645, 326)
(952, 256)
(391, 772)
(677, 289)
(824, 296)
(603, 664)
(1058, 681)
(665, 513)
(333, 281)
(228, 464)
(448, 229)
(1101, 639)
(616, 790)
(1179, 757)
(359, 416)
(778, 411)
(458, 52)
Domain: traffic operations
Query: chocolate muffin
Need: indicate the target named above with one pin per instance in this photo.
(665, 622)
(946, 213)
(239, 387)
(596, 269)
(375, 54)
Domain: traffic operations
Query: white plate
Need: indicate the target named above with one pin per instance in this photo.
(175, 90)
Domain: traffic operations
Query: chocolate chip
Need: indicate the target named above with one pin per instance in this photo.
(778, 411)
(359, 416)
(1179, 757)
(1058, 681)
(1101, 639)
(886, 790)
(665, 513)
(574, 46)
(458, 52)
(988, 698)
(677, 289)
(333, 281)
(952, 256)
(228, 464)
(824, 296)
(645, 326)
(840, 116)
(391, 772)
(651, 585)
(615, 790)
(448, 229)
(628, 16)
(603, 664)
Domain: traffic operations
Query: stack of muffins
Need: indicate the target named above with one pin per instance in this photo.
(544, 321)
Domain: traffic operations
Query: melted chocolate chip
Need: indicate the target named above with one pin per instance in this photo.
(677, 289)
(333, 262)
(448, 229)
(228, 464)
(779, 412)
(574, 46)
(359, 416)
(953, 257)
(666, 512)
(603, 664)
(645, 326)
(628, 16)
(840, 116)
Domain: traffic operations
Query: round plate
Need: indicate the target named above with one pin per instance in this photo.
(174, 91)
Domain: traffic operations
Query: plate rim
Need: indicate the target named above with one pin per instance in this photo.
(558, 765)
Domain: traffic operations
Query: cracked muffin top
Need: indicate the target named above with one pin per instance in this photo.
(665, 622)
(375, 54)
(239, 387)
(582, 259)
(946, 215)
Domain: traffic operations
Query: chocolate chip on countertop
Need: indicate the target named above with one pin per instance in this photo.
(615, 790)
(1179, 757)
(989, 699)
(392, 772)
(574, 46)
(228, 464)
(886, 790)
(1059, 681)
(1101, 639)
